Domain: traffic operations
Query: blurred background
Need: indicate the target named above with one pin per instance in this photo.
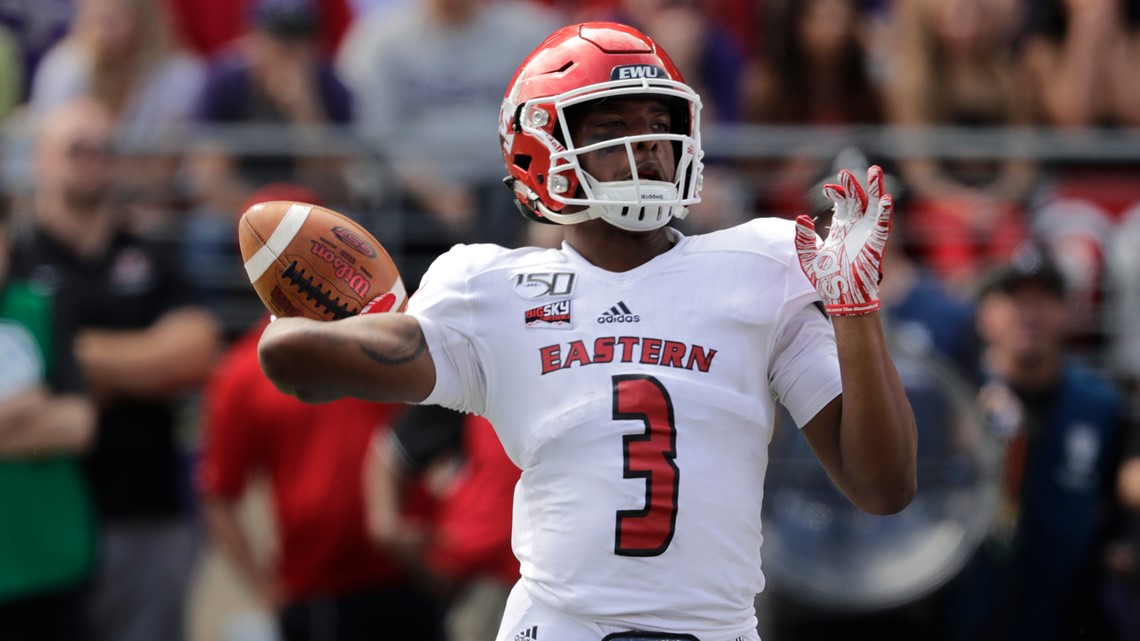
(1010, 131)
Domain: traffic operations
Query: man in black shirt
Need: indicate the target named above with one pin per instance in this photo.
(142, 342)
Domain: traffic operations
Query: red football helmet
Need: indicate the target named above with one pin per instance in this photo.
(579, 64)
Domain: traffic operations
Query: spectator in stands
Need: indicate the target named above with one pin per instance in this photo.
(211, 27)
(142, 343)
(953, 68)
(707, 53)
(1078, 232)
(1037, 574)
(328, 580)
(122, 54)
(276, 79)
(36, 27)
(1082, 57)
(274, 89)
(47, 543)
(738, 20)
(814, 72)
(465, 553)
(427, 78)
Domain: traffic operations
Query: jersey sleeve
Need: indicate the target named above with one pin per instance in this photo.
(804, 365)
(804, 374)
(442, 305)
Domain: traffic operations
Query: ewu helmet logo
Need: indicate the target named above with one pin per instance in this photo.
(635, 72)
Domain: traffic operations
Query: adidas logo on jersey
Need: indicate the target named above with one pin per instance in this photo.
(619, 314)
(529, 634)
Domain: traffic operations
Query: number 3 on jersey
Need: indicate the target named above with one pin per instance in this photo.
(648, 455)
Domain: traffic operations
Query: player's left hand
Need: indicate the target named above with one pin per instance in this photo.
(847, 268)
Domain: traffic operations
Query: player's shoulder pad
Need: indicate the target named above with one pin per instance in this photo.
(773, 238)
(464, 262)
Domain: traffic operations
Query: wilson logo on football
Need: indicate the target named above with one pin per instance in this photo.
(353, 240)
(556, 314)
(344, 271)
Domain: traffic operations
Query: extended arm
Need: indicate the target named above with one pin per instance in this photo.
(866, 438)
(376, 357)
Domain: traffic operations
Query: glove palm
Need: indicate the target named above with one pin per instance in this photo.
(846, 269)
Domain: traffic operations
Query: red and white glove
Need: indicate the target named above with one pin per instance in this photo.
(847, 268)
(379, 305)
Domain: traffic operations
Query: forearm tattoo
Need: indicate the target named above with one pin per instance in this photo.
(403, 349)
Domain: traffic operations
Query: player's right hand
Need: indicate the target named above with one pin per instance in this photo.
(380, 304)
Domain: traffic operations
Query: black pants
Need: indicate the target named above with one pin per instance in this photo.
(394, 614)
(54, 616)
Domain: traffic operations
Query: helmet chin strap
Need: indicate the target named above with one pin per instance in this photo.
(537, 206)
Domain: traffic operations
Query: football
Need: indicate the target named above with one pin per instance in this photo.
(306, 260)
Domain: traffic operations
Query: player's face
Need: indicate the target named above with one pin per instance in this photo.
(616, 118)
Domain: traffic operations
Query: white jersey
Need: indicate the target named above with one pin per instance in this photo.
(639, 406)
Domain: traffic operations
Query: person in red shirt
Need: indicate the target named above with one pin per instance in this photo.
(465, 555)
(329, 581)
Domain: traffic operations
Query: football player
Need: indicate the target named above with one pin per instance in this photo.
(633, 373)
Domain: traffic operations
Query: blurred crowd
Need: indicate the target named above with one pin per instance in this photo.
(135, 422)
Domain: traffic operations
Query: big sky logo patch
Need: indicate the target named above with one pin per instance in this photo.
(555, 315)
